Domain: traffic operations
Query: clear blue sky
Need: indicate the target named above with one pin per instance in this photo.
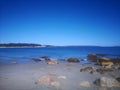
(60, 22)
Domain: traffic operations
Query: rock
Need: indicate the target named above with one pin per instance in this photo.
(86, 69)
(94, 72)
(44, 80)
(118, 79)
(36, 59)
(46, 58)
(103, 71)
(85, 84)
(116, 66)
(107, 82)
(109, 64)
(75, 60)
(92, 57)
(98, 58)
(52, 62)
(116, 61)
(105, 59)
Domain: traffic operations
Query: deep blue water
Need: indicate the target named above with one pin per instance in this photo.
(26, 54)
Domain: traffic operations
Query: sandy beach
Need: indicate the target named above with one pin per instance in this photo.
(63, 76)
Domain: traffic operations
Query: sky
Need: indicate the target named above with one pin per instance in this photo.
(60, 22)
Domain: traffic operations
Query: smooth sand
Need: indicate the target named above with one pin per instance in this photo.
(23, 76)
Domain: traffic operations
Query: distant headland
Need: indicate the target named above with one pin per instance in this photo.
(33, 45)
(22, 45)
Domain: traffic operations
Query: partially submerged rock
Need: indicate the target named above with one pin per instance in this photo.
(75, 60)
(46, 58)
(107, 82)
(85, 84)
(92, 57)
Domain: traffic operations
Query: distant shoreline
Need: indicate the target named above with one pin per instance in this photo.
(25, 47)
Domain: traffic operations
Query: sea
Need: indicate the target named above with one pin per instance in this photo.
(61, 53)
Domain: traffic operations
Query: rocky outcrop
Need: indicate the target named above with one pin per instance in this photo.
(74, 60)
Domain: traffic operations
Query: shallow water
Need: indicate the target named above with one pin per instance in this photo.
(60, 53)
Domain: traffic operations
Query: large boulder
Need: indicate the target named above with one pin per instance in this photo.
(107, 64)
(97, 58)
(75, 60)
(92, 57)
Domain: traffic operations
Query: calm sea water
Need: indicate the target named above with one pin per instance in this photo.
(26, 54)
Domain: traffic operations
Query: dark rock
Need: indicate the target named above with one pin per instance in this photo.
(98, 58)
(36, 59)
(118, 79)
(103, 71)
(92, 57)
(97, 82)
(76, 60)
(116, 60)
(46, 58)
